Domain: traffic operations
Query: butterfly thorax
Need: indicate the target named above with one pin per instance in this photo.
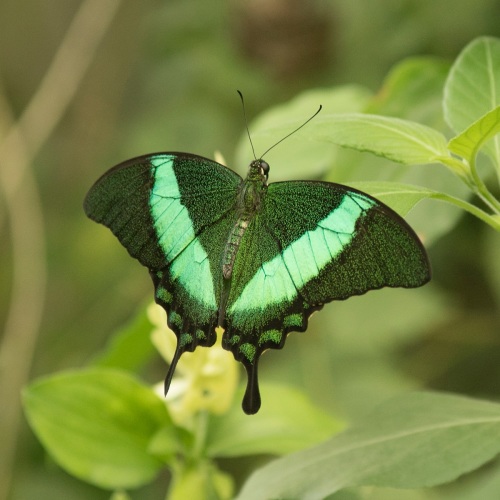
(249, 201)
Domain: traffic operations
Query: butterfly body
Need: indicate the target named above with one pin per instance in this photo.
(248, 204)
(253, 258)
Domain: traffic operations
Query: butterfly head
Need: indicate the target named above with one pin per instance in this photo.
(258, 170)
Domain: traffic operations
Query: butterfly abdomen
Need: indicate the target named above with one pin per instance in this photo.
(248, 204)
(232, 245)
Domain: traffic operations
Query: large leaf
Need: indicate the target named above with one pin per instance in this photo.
(402, 141)
(413, 90)
(400, 197)
(481, 486)
(287, 422)
(130, 347)
(412, 441)
(468, 143)
(97, 425)
(473, 87)
(204, 481)
(403, 197)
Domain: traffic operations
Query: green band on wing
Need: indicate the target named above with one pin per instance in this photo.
(293, 320)
(282, 276)
(175, 233)
(234, 340)
(184, 339)
(270, 335)
(164, 295)
(175, 319)
(200, 335)
(248, 350)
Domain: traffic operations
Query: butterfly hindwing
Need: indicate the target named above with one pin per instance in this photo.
(311, 243)
(173, 211)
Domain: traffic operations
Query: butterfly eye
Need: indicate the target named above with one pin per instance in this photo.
(265, 167)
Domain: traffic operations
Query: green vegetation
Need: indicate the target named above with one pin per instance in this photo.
(387, 396)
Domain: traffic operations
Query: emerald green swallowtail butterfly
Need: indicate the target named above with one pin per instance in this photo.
(254, 258)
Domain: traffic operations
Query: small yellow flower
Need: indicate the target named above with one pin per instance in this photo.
(204, 380)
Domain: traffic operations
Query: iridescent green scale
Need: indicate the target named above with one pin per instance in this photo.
(253, 258)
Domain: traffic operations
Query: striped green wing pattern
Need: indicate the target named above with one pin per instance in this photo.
(173, 211)
(303, 244)
(311, 243)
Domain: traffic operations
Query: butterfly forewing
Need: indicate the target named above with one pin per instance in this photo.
(173, 211)
(120, 201)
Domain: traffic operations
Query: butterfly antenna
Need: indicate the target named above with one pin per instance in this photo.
(292, 132)
(246, 122)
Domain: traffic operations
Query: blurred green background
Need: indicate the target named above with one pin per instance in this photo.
(163, 76)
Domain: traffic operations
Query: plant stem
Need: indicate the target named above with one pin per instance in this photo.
(491, 220)
(482, 191)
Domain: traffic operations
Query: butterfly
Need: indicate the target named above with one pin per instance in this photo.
(253, 258)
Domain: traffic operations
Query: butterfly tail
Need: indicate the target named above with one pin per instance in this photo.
(251, 400)
(171, 370)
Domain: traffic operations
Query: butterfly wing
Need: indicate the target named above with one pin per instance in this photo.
(172, 212)
(311, 243)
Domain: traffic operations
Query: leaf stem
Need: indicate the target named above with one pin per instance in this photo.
(467, 172)
(491, 220)
(481, 190)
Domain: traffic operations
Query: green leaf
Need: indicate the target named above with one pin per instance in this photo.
(287, 422)
(373, 493)
(485, 485)
(97, 425)
(351, 165)
(402, 141)
(130, 347)
(165, 444)
(473, 87)
(400, 197)
(201, 481)
(468, 143)
(300, 158)
(413, 90)
(412, 441)
(403, 197)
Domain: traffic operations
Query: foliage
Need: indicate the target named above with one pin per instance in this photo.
(475, 75)
(107, 427)
(412, 441)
